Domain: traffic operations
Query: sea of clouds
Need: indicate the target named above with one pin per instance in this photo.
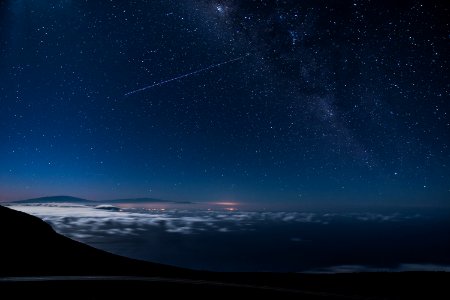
(81, 221)
(234, 240)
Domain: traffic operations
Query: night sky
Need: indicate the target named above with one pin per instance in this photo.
(307, 103)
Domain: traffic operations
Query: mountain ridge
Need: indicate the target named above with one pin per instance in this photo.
(53, 199)
(71, 199)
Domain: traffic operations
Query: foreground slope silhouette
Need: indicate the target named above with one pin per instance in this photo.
(37, 262)
(31, 247)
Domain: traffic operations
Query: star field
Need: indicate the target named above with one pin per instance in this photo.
(332, 102)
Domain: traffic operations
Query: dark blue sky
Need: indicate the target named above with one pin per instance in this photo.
(331, 102)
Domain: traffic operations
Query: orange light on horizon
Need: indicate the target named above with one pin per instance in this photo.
(226, 203)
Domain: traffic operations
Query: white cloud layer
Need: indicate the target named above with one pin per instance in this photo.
(132, 231)
(81, 221)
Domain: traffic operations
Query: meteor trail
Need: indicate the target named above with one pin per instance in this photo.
(185, 75)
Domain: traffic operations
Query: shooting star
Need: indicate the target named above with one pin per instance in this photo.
(186, 75)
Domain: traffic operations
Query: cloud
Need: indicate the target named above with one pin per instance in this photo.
(82, 221)
(287, 238)
(296, 240)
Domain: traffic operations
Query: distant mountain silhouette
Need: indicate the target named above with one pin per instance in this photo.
(70, 199)
(136, 200)
(55, 199)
